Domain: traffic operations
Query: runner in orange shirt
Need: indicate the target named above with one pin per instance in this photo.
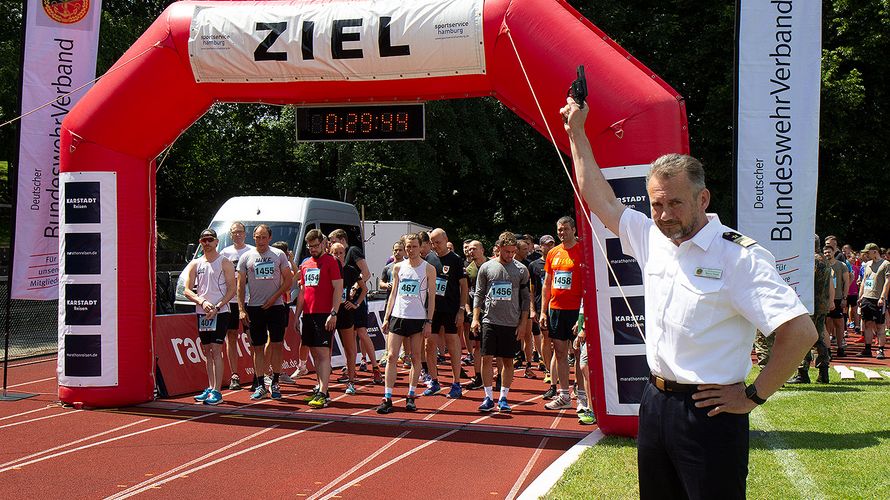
(560, 302)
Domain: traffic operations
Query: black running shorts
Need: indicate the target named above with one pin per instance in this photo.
(267, 324)
(345, 318)
(499, 341)
(361, 315)
(405, 327)
(234, 318)
(313, 332)
(561, 323)
(218, 334)
(837, 311)
(444, 319)
(871, 311)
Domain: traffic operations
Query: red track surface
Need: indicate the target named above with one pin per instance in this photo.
(174, 448)
(277, 448)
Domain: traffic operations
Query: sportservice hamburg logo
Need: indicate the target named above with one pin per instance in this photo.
(66, 11)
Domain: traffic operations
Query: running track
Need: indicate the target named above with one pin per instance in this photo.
(173, 447)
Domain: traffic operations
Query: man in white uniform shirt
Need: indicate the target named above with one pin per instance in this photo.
(707, 289)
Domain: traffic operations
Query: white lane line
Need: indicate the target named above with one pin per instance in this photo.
(31, 382)
(542, 484)
(357, 466)
(525, 472)
(26, 412)
(794, 469)
(124, 493)
(117, 438)
(71, 443)
(40, 418)
(379, 468)
(221, 459)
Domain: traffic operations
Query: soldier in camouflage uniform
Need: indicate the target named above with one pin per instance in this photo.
(823, 300)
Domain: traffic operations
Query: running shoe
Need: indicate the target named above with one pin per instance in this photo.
(425, 377)
(517, 363)
(363, 366)
(559, 403)
(529, 373)
(275, 391)
(350, 388)
(204, 395)
(587, 418)
(547, 378)
(267, 380)
(455, 391)
(385, 406)
(378, 377)
(440, 359)
(536, 358)
(474, 384)
(319, 401)
(284, 378)
(406, 363)
(880, 354)
(235, 382)
(383, 360)
(503, 406)
(487, 404)
(409, 404)
(542, 367)
(259, 393)
(571, 359)
(214, 399)
(550, 394)
(463, 373)
(433, 389)
(581, 409)
(343, 379)
(312, 395)
(301, 370)
(468, 360)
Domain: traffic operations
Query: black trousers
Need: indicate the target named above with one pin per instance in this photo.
(684, 453)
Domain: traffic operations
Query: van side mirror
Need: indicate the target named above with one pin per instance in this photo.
(190, 252)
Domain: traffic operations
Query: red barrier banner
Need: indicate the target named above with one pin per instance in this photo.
(181, 363)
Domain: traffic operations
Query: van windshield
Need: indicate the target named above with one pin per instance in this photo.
(281, 231)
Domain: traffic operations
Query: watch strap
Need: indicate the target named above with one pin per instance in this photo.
(751, 393)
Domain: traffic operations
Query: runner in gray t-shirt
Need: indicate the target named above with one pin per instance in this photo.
(264, 274)
(500, 310)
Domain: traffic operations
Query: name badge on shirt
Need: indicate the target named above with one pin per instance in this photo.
(312, 276)
(562, 280)
(704, 272)
(264, 270)
(441, 285)
(206, 325)
(501, 290)
(409, 288)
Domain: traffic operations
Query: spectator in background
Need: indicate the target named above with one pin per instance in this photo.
(840, 282)
(398, 255)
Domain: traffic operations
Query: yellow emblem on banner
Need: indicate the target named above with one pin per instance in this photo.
(66, 12)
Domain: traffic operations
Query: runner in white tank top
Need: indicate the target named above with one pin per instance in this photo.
(213, 276)
(411, 305)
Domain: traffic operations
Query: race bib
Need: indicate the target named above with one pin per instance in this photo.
(562, 280)
(312, 276)
(869, 283)
(206, 325)
(441, 285)
(264, 270)
(409, 288)
(501, 290)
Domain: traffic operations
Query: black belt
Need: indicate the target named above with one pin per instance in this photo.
(671, 386)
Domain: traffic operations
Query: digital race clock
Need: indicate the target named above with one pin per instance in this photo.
(383, 122)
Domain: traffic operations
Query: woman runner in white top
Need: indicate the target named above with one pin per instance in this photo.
(409, 312)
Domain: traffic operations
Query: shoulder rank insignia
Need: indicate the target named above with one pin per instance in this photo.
(739, 238)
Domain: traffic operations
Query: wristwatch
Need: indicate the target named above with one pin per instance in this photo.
(333, 313)
(751, 393)
(428, 321)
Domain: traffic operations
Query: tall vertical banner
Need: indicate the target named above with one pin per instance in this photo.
(61, 44)
(619, 300)
(777, 131)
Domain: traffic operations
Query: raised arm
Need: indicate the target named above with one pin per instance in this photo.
(595, 190)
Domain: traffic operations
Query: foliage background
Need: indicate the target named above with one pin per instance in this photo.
(481, 169)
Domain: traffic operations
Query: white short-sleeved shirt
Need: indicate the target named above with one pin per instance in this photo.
(704, 300)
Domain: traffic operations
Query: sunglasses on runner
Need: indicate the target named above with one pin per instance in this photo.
(207, 240)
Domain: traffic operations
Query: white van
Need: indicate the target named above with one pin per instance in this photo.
(290, 218)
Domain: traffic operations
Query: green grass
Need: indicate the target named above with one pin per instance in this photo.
(808, 441)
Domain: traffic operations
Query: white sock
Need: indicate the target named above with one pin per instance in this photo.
(504, 392)
(488, 391)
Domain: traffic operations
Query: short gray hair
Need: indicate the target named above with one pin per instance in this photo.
(670, 165)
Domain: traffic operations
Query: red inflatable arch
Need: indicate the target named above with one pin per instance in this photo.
(407, 51)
